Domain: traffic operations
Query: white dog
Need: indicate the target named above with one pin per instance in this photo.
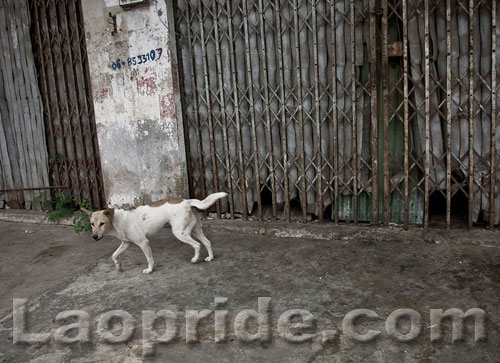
(136, 225)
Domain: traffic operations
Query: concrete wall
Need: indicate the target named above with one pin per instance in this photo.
(141, 144)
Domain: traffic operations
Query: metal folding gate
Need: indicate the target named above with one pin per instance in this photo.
(354, 110)
(58, 39)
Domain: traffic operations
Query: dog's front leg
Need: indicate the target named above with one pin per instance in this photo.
(117, 253)
(144, 245)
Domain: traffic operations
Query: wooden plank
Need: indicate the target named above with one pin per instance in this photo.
(6, 176)
(40, 136)
(15, 117)
(15, 199)
(27, 146)
(37, 132)
(22, 83)
(10, 165)
(2, 173)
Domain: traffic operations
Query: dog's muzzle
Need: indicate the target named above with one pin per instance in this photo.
(96, 237)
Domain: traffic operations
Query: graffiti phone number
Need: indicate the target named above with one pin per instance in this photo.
(153, 54)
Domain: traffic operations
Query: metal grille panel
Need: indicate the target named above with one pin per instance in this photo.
(353, 110)
(60, 53)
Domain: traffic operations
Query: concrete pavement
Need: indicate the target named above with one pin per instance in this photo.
(348, 268)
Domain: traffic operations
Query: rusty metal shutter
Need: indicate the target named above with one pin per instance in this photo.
(61, 58)
(354, 110)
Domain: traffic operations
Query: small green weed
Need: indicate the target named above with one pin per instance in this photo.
(65, 206)
(61, 207)
(81, 220)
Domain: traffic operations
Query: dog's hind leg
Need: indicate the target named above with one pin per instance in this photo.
(198, 232)
(186, 238)
(124, 245)
(144, 246)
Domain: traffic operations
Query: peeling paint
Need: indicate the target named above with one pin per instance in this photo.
(146, 82)
(167, 106)
(138, 135)
(101, 94)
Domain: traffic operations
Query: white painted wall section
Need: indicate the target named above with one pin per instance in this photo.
(141, 143)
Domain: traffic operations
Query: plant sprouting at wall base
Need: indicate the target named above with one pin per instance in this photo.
(65, 206)
(81, 220)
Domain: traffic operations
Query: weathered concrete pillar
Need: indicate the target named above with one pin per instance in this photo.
(140, 141)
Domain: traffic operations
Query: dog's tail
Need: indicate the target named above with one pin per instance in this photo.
(208, 201)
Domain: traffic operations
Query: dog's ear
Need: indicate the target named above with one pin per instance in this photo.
(86, 211)
(109, 212)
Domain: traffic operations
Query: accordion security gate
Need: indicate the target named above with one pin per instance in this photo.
(354, 110)
(58, 39)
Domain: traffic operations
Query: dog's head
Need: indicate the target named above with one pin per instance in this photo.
(100, 221)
